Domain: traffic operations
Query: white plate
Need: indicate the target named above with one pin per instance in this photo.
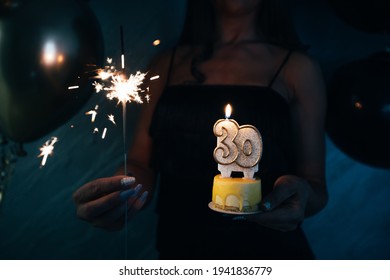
(212, 207)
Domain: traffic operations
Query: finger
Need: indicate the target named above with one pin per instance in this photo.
(95, 208)
(280, 218)
(108, 219)
(281, 192)
(138, 204)
(101, 187)
(115, 219)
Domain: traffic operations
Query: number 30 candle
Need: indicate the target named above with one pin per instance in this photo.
(239, 148)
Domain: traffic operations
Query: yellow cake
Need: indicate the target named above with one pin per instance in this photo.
(236, 194)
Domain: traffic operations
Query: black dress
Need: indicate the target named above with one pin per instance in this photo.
(183, 140)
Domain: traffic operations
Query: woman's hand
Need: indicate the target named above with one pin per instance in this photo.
(102, 201)
(284, 208)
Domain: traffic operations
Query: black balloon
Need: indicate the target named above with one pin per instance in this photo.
(368, 16)
(46, 46)
(358, 119)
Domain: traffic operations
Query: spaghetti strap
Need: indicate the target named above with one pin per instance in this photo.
(280, 68)
(170, 66)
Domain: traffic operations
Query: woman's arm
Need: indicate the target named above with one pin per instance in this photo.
(308, 111)
(302, 194)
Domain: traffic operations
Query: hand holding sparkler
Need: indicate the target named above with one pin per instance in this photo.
(100, 202)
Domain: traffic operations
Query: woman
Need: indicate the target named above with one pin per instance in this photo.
(245, 54)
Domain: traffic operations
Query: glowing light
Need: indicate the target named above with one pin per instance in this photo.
(96, 130)
(156, 42)
(125, 90)
(228, 111)
(109, 60)
(154, 77)
(93, 113)
(60, 58)
(47, 149)
(73, 87)
(104, 133)
(49, 53)
(111, 119)
(123, 61)
(358, 105)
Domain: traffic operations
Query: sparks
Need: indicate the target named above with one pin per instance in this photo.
(154, 77)
(73, 87)
(104, 133)
(93, 113)
(47, 149)
(96, 130)
(111, 119)
(123, 61)
(126, 90)
(156, 42)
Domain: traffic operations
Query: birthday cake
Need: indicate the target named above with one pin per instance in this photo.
(236, 194)
(239, 149)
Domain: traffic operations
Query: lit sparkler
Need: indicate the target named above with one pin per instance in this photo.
(47, 149)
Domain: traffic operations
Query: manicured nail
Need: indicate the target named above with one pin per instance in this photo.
(267, 205)
(143, 196)
(127, 181)
(137, 189)
(126, 194)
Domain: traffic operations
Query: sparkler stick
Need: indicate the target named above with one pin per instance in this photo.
(122, 48)
(125, 90)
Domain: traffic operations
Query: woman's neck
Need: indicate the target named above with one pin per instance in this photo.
(232, 30)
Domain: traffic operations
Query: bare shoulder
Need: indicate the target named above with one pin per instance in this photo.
(304, 76)
(302, 64)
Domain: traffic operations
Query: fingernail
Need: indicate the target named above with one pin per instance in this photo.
(127, 181)
(144, 196)
(126, 194)
(267, 205)
(137, 189)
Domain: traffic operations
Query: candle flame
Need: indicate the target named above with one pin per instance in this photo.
(228, 111)
(47, 149)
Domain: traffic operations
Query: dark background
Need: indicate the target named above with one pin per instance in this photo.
(37, 218)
